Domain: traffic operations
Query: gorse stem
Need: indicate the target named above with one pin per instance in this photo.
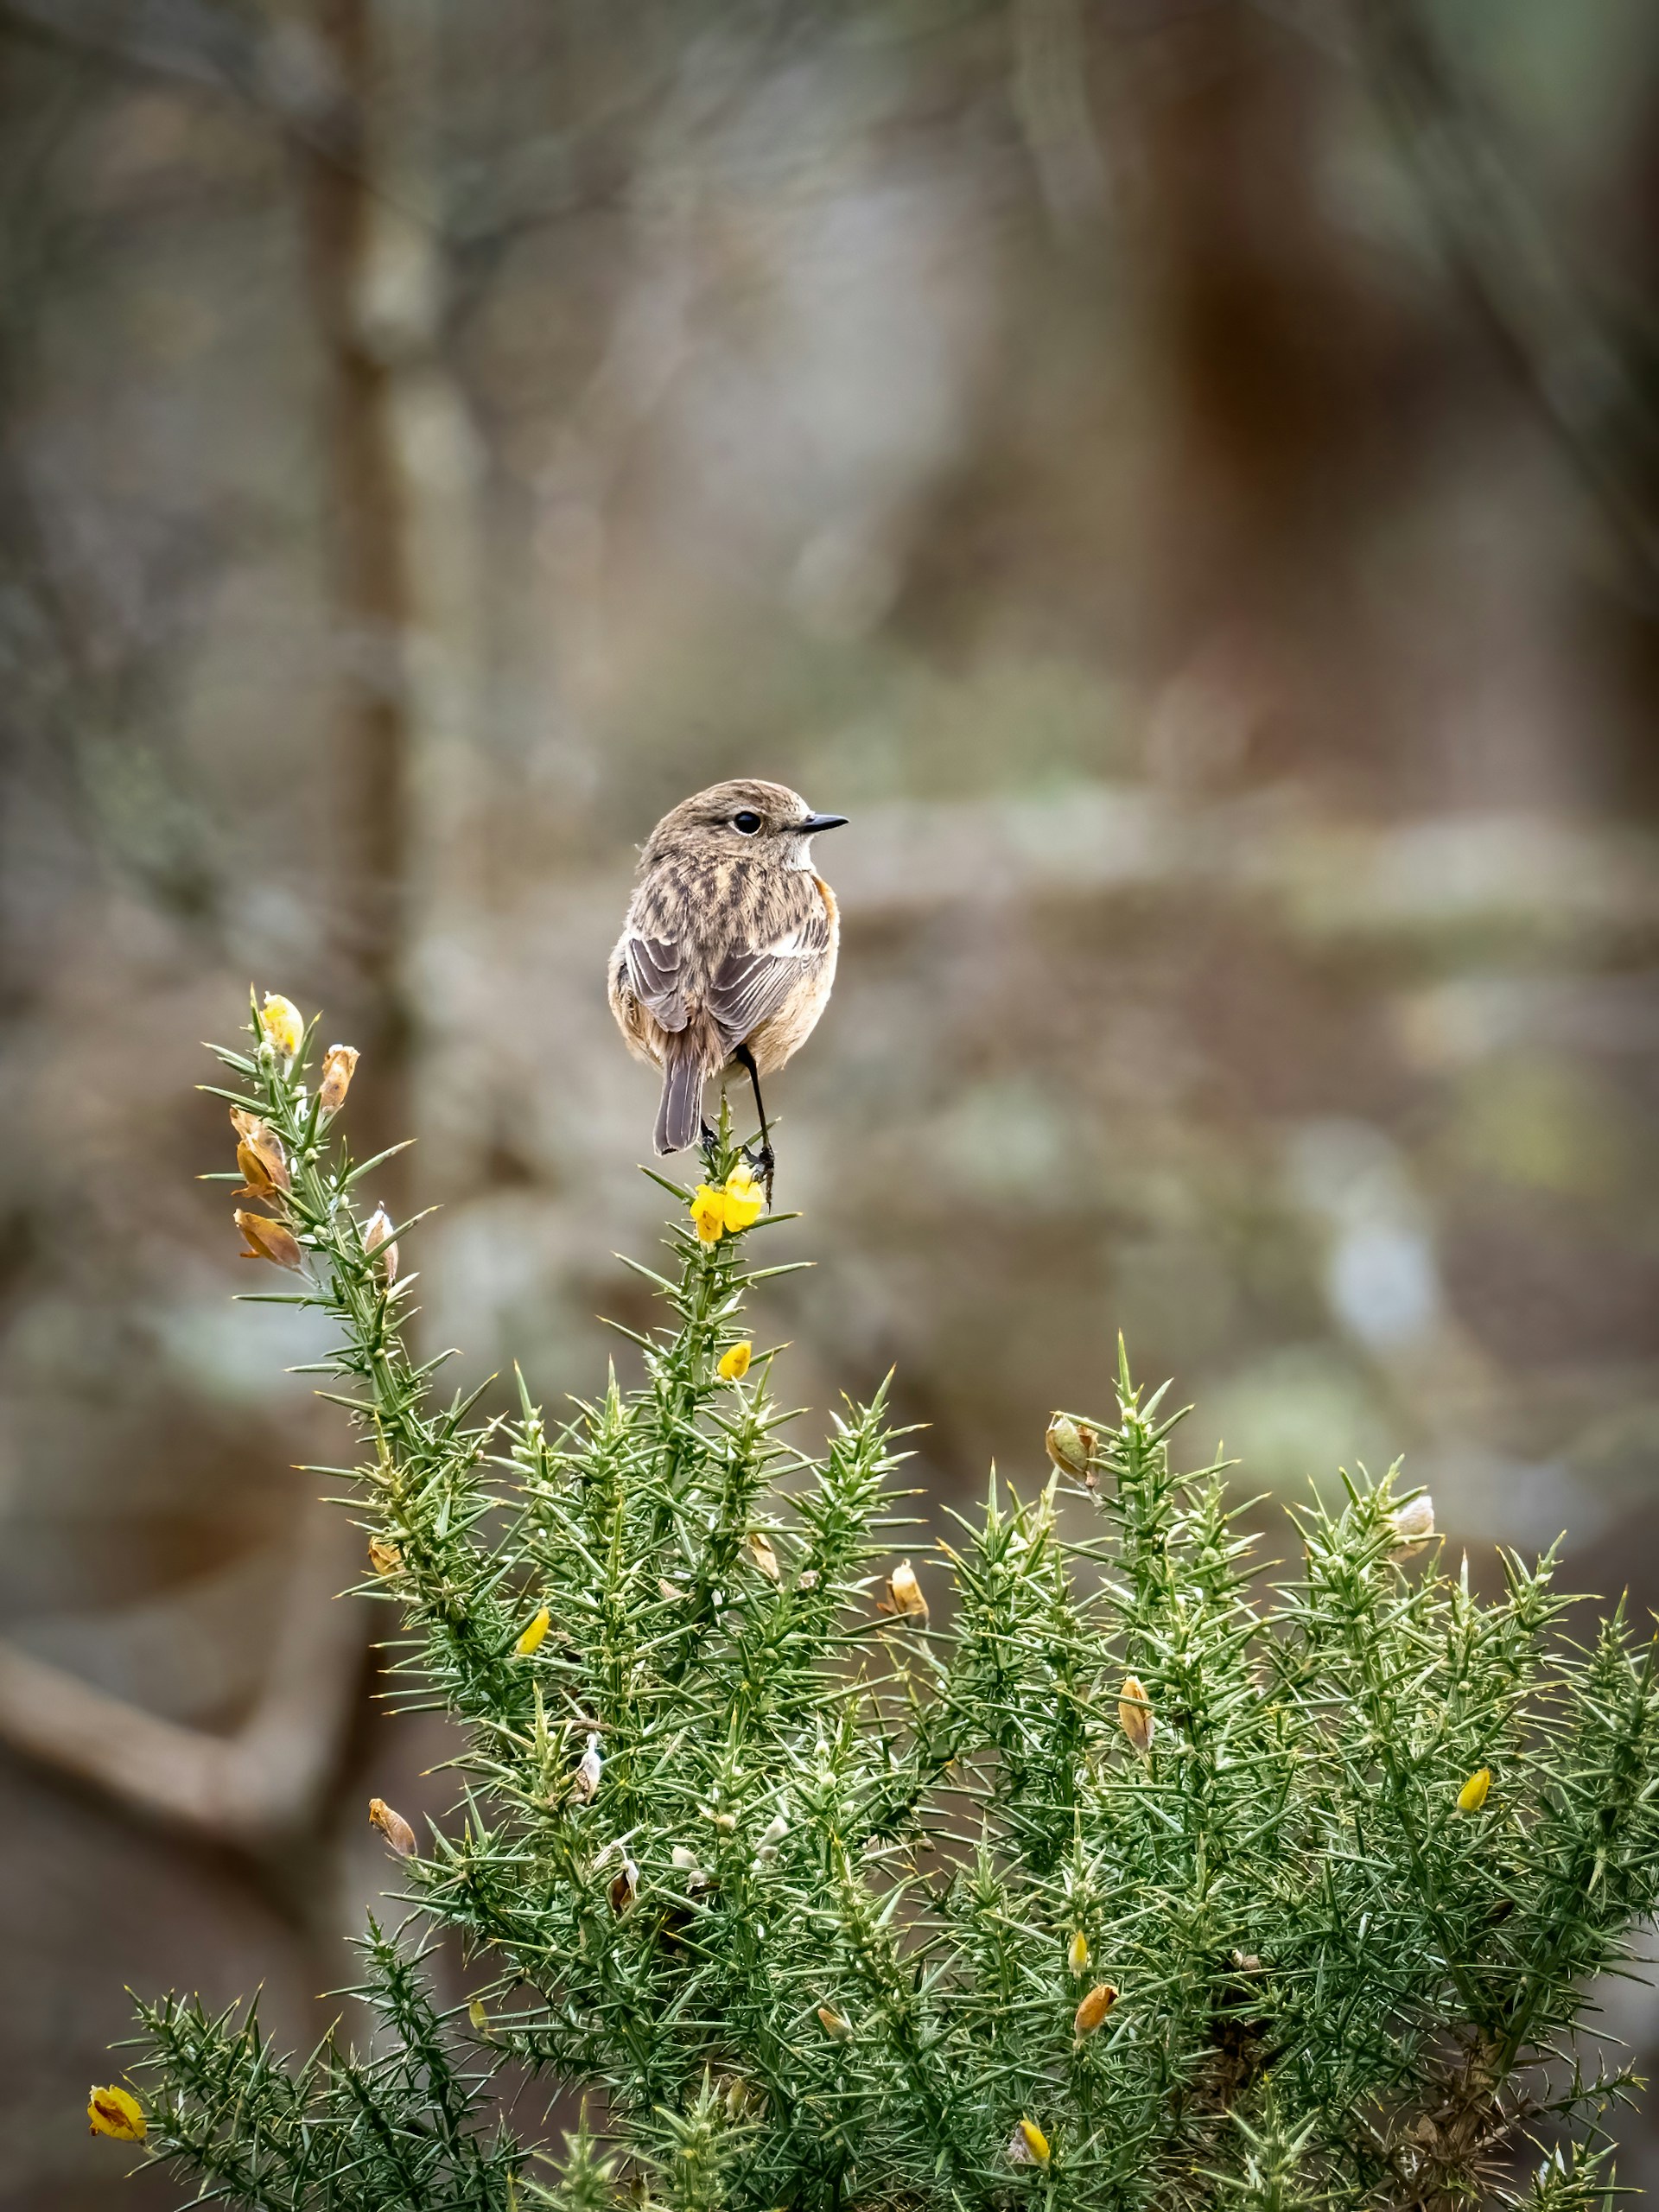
(1129, 1887)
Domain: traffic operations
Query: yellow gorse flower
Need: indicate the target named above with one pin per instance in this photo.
(533, 1638)
(745, 1198)
(725, 1209)
(284, 1025)
(113, 2112)
(1473, 1796)
(735, 1364)
(1076, 1951)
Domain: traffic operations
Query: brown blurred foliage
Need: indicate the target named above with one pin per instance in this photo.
(1180, 474)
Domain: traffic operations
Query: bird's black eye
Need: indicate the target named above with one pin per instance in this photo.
(745, 822)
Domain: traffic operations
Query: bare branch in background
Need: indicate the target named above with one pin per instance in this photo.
(263, 1784)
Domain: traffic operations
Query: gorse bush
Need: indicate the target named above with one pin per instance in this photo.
(1136, 1886)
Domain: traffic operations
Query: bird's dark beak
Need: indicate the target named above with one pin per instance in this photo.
(814, 822)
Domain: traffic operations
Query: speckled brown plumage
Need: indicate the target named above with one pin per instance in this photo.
(728, 952)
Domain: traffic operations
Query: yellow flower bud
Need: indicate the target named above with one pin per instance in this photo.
(1094, 2008)
(835, 2025)
(284, 1025)
(392, 1825)
(533, 1635)
(1134, 1715)
(904, 1595)
(734, 1364)
(479, 2017)
(378, 1238)
(385, 1556)
(113, 2112)
(760, 1551)
(268, 1240)
(1473, 1796)
(339, 1066)
(1028, 2145)
(1076, 1951)
(1071, 1444)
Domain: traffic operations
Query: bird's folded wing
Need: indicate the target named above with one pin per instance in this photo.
(753, 981)
(657, 973)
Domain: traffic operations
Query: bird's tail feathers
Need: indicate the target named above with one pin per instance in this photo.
(679, 1115)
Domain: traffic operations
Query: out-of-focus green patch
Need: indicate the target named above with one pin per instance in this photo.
(1295, 1417)
(1543, 1122)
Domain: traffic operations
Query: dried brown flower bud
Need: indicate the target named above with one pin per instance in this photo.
(1135, 1715)
(669, 1593)
(339, 1065)
(268, 1240)
(904, 1595)
(584, 1782)
(392, 1825)
(625, 1888)
(1071, 1444)
(259, 1156)
(809, 1580)
(378, 1238)
(1414, 1524)
(683, 1860)
(763, 1556)
(1094, 2008)
(742, 2098)
(835, 2024)
(385, 1556)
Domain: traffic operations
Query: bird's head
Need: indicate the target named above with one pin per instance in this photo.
(744, 817)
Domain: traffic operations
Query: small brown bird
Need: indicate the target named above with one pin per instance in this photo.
(728, 952)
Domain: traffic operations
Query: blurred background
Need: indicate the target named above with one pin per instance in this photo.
(1181, 475)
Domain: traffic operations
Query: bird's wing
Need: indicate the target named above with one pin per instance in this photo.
(657, 973)
(753, 981)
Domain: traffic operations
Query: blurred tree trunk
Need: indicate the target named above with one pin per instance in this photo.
(404, 469)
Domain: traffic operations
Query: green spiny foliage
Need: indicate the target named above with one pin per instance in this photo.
(824, 1907)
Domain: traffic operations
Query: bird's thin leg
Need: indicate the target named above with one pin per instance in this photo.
(763, 1159)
